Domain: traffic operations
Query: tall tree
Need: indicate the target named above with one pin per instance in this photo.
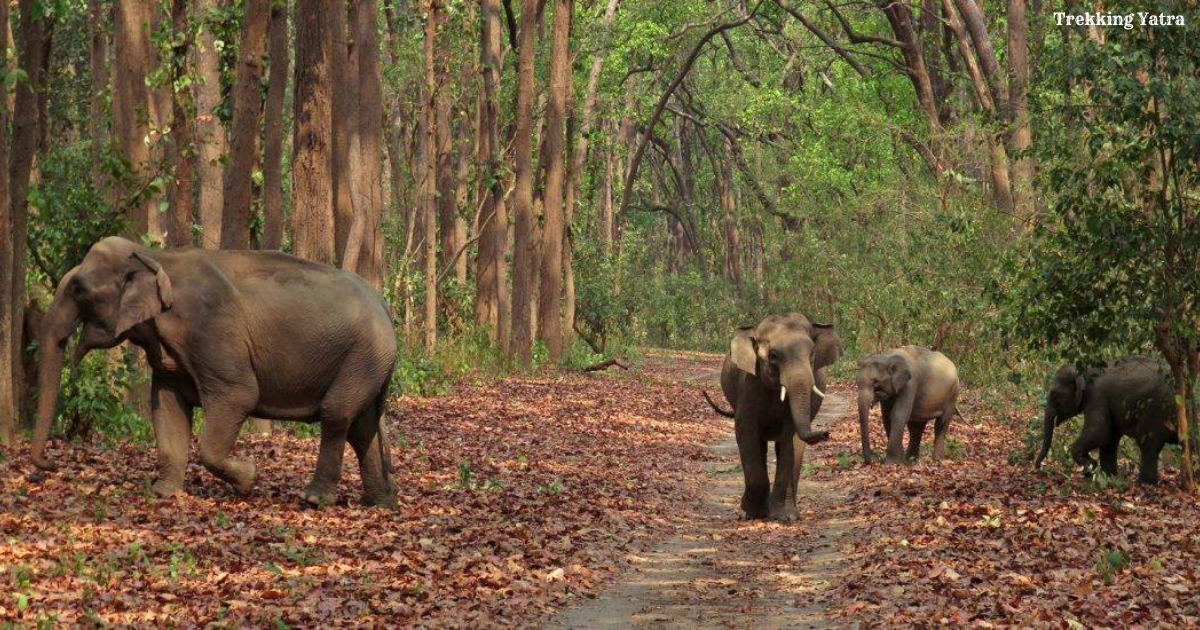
(554, 226)
(98, 65)
(132, 61)
(364, 252)
(1022, 129)
(272, 237)
(430, 153)
(247, 110)
(10, 269)
(345, 111)
(210, 133)
(312, 193)
(524, 246)
(182, 146)
(491, 265)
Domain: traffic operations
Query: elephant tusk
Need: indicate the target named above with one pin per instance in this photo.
(782, 393)
(820, 394)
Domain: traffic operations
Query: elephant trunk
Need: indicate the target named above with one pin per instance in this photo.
(60, 321)
(1047, 436)
(799, 384)
(866, 399)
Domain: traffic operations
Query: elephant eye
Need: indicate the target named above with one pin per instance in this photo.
(774, 356)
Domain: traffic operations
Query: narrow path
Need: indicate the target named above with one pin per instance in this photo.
(719, 572)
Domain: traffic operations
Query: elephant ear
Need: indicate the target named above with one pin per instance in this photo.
(743, 349)
(147, 293)
(827, 345)
(898, 375)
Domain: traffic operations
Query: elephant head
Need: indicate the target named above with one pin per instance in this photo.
(881, 377)
(117, 286)
(1064, 400)
(784, 353)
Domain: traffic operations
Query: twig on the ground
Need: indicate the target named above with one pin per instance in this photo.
(604, 365)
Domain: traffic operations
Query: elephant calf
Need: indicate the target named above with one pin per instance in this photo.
(774, 375)
(913, 385)
(237, 333)
(1130, 397)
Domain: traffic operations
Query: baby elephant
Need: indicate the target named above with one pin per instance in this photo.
(1130, 397)
(914, 385)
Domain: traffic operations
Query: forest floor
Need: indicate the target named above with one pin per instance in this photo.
(598, 500)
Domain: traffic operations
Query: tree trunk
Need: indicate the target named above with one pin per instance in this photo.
(312, 193)
(179, 214)
(364, 254)
(521, 343)
(554, 224)
(491, 265)
(272, 237)
(98, 63)
(899, 16)
(344, 116)
(247, 110)
(589, 102)
(130, 104)
(210, 133)
(11, 268)
(1023, 166)
(431, 151)
(447, 168)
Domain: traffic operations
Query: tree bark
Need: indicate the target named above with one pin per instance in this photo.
(589, 102)
(365, 251)
(312, 192)
(521, 343)
(491, 265)
(247, 110)
(272, 237)
(554, 223)
(899, 16)
(210, 133)
(179, 214)
(344, 116)
(11, 268)
(98, 63)
(431, 151)
(1023, 167)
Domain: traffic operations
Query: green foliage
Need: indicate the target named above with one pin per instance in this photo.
(1111, 562)
(93, 399)
(419, 373)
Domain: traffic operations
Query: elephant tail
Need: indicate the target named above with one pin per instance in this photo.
(381, 409)
(716, 408)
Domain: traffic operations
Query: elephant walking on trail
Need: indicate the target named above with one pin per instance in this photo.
(774, 376)
(1130, 397)
(238, 333)
(913, 385)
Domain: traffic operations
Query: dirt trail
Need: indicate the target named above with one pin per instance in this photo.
(718, 572)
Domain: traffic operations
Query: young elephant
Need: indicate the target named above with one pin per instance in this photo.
(238, 333)
(774, 375)
(914, 385)
(1130, 397)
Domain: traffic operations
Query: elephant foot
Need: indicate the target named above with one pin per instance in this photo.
(242, 476)
(816, 437)
(387, 499)
(784, 513)
(754, 513)
(319, 494)
(167, 487)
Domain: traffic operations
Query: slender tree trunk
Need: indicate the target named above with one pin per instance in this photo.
(312, 193)
(131, 103)
(899, 16)
(247, 110)
(1023, 166)
(491, 265)
(446, 169)
(462, 197)
(98, 63)
(278, 52)
(344, 111)
(431, 151)
(210, 133)
(589, 102)
(521, 342)
(11, 268)
(179, 214)
(606, 202)
(568, 253)
(554, 223)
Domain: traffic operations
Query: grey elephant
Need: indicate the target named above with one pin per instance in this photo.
(238, 333)
(1129, 397)
(774, 376)
(913, 385)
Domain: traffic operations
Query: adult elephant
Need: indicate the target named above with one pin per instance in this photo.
(913, 385)
(237, 333)
(774, 376)
(1129, 397)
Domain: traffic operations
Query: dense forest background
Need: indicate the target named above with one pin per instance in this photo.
(536, 183)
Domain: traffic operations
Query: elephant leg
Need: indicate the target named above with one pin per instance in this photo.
(788, 460)
(753, 451)
(172, 418)
(1108, 456)
(942, 425)
(1094, 435)
(367, 439)
(222, 421)
(898, 419)
(1148, 468)
(322, 489)
(915, 431)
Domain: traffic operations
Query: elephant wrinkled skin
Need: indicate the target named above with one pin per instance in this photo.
(913, 385)
(237, 333)
(1130, 397)
(774, 376)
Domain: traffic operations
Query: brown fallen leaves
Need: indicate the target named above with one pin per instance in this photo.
(514, 497)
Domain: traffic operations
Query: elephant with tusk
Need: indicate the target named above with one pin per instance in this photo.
(773, 376)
